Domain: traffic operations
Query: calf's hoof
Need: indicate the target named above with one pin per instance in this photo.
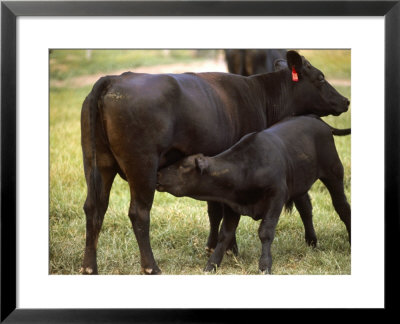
(233, 250)
(151, 271)
(311, 242)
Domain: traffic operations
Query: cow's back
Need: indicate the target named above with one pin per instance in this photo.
(186, 113)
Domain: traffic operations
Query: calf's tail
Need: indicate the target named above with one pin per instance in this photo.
(335, 131)
(340, 132)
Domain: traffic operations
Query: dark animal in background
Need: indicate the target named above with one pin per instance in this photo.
(259, 175)
(135, 124)
(248, 62)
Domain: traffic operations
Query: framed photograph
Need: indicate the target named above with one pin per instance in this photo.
(40, 43)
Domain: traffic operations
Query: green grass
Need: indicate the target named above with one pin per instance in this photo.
(179, 226)
(334, 64)
(71, 63)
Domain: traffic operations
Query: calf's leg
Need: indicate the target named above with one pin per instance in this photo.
(215, 213)
(226, 234)
(304, 207)
(339, 200)
(266, 233)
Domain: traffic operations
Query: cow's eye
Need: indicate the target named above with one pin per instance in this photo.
(321, 78)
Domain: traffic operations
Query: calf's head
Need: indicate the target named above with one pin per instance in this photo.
(191, 176)
(311, 93)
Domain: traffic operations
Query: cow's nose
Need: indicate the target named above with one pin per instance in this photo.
(347, 101)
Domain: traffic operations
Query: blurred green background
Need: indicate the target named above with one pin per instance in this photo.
(179, 226)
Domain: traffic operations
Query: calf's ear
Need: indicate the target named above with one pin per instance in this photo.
(201, 164)
(294, 59)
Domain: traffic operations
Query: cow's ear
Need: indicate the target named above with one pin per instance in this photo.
(294, 60)
(280, 64)
(201, 164)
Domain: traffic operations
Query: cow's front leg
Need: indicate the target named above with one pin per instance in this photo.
(225, 236)
(215, 213)
(266, 232)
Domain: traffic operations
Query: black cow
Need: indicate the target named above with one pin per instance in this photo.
(134, 124)
(259, 175)
(248, 62)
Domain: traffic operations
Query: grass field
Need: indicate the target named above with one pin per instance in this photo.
(65, 64)
(179, 226)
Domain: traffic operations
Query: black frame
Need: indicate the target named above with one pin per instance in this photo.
(11, 10)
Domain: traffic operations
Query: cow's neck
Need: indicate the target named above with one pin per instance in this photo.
(278, 94)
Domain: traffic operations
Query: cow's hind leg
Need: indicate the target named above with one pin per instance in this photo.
(99, 181)
(339, 200)
(304, 207)
(215, 214)
(142, 180)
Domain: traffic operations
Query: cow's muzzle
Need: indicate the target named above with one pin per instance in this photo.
(344, 107)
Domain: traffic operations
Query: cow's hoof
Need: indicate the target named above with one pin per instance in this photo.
(151, 271)
(88, 271)
(265, 271)
(210, 267)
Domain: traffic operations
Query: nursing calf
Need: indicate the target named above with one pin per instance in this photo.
(261, 174)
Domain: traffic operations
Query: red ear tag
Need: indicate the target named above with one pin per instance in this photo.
(295, 77)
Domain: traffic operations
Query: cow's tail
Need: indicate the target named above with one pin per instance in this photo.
(95, 102)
